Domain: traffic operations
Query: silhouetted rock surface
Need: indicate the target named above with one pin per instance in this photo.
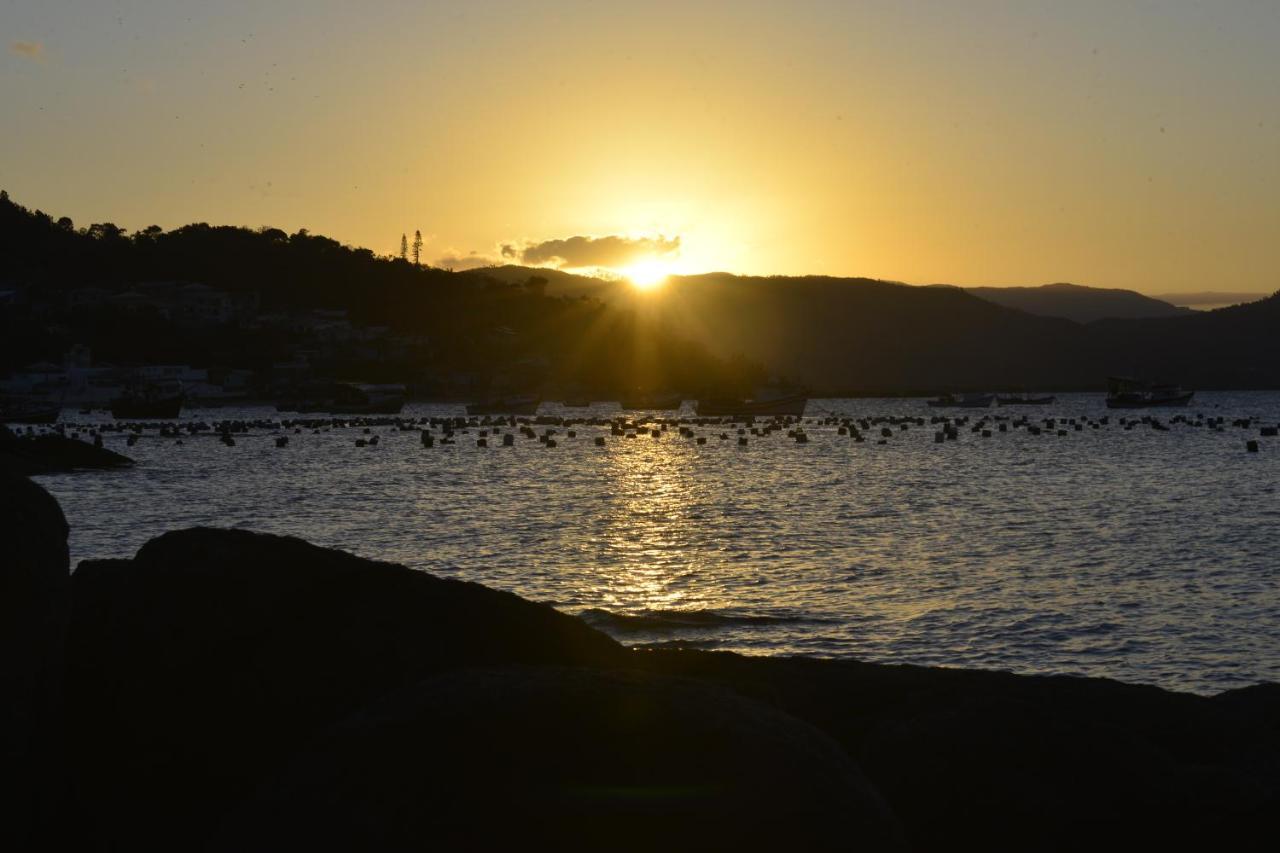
(973, 759)
(50, 454)
(213, 655)
(275, 694)
(558, 758)
(33, 613)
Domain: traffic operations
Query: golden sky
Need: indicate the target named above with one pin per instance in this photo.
(1107, 143)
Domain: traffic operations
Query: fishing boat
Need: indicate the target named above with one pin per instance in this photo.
(149, 401)
(526, 404)
(962, 401)
(1125, 393)
(786, 404)
(18, 410)
(345, 398)
(652, 402)
(1025, 400)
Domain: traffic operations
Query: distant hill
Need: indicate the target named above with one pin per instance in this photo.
(858, 335)
(416, 325)
(547, 328)
(1077, 302)
(1206, 300)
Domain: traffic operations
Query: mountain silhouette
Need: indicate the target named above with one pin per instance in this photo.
(695, 333)
(1077, 302)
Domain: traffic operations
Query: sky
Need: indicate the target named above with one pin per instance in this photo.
(1117, 144)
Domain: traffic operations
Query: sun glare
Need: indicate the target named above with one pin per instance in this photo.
(647, 274)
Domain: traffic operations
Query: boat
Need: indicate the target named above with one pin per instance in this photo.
(1024, 400)
(963, 401)
(346, 398)
(18, 410)
(526, 404)
(356, 399)
(652, 402)
(786, 404)
(149, 401)
(1125, 393)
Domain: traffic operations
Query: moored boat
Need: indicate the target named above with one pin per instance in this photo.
(1125, 393)
(653, 402)
(371, 400)
(788, 404)
(1024, 400)
(521, 405)
(346, 398)
(963, 401)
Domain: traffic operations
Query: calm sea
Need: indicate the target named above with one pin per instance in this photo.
(1139, 554)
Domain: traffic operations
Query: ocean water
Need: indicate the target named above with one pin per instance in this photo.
(1139, 554)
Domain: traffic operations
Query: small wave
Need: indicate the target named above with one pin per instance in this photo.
(675, 620)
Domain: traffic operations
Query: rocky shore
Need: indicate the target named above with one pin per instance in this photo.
(49, 453)
(226, 690)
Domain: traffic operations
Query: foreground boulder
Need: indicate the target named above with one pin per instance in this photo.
(214, 655)
(54, 454)
(972, 759)
(272, 694)
(568, 759)
(33, 613)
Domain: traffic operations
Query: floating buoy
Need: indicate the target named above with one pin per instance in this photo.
(1251, 445)
(282, 441)
(600, 442)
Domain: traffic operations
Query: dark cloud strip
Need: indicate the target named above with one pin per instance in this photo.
(609, 251)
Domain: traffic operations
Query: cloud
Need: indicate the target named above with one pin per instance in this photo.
(28, 49)
(608, 251)
(469, 261)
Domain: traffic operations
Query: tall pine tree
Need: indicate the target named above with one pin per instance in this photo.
(417, 248)
(404, 248)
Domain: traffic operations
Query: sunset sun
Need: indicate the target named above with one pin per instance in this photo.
(648, 273)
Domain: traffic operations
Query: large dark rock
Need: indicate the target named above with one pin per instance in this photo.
(568, 759)
(52, 454)
(308, 696)
(990, 760)
(33, 613)
(212, 656)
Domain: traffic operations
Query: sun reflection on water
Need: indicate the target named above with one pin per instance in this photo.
(651, 526)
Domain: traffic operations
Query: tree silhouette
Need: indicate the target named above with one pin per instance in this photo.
(417, 248)
(404, 248)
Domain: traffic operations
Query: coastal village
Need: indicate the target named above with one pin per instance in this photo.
(315, 340)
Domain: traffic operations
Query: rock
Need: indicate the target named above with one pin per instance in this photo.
(574, 759)
(1259, 703)
(33, 612)
(52, 454)
(213, 655)
(996, 761)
